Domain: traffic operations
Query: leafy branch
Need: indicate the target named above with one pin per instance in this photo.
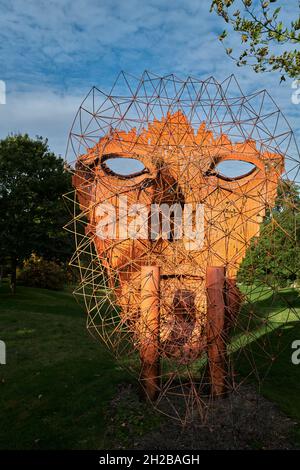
(261, 31)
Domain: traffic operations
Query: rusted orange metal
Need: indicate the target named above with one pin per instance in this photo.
(176, 301)
(149, 330)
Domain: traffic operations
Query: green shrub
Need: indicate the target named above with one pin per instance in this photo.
(38, 272)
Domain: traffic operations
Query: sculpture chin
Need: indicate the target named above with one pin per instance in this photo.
(182, 313)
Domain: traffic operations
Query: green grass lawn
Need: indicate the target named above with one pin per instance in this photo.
(58, 381)
(266, 352)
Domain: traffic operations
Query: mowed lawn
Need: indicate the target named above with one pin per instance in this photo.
(58, 381)
(268, 355)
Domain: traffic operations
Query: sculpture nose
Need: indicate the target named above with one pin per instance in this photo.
(147, 183)
(167, 189)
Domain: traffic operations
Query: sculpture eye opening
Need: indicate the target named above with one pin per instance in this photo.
(123, 167)
(232, 170)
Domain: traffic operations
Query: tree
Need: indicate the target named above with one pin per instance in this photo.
(262, 31)
(274, 257)
(32, 212)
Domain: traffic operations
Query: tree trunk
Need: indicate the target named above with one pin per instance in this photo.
(13, 275)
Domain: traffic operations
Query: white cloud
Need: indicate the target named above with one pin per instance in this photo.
(55, 50)
(44, 113)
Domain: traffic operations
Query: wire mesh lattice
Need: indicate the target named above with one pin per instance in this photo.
(165, 301)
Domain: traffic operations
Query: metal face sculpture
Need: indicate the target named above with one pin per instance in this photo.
(167, 239)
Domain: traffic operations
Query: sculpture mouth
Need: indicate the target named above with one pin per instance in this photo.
(184, 304)
(181, 276)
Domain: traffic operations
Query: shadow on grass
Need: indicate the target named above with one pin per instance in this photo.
(267, 361)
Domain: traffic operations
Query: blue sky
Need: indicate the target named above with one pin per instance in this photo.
(52, 52)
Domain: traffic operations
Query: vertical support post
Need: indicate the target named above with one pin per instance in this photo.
(216, 338)
(233, 301)
(149, 332)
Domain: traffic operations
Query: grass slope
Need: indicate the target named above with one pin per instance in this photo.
(57, 379)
